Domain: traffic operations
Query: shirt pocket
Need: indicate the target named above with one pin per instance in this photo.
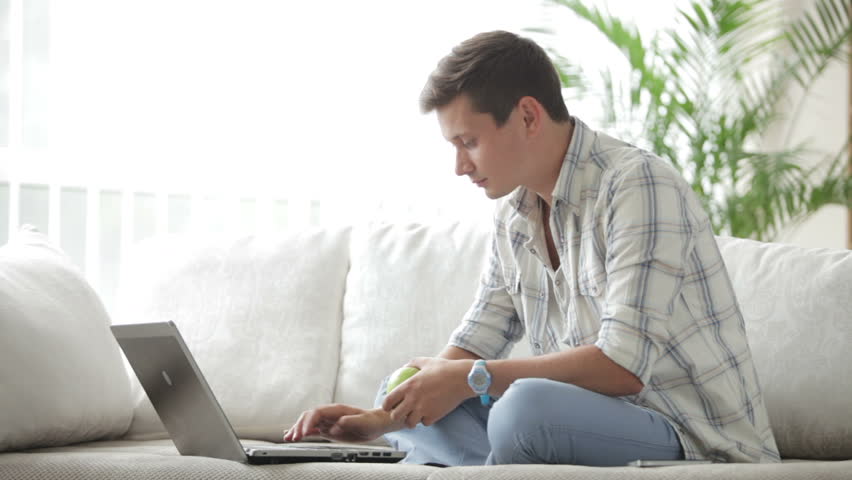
(587, 298)
(591, 286)
(512, 280)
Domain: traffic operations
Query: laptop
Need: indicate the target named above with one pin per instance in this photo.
(192, 415)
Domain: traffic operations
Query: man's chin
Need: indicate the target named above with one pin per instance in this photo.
(494, 195)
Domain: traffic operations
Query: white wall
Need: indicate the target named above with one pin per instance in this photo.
(131, 122)
(823, 121)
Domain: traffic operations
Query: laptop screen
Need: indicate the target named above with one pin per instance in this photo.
(177, 390)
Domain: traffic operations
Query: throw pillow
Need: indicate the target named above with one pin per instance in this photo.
(260, 314)
(796, 303)
(62, 379)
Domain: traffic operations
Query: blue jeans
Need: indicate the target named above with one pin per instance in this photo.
(540, 421)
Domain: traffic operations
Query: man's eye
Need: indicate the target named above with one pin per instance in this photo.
(469, 144)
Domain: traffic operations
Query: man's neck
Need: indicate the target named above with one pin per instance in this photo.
(555, 147)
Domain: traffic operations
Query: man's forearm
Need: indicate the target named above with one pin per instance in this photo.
(586, 366)
(455, 353)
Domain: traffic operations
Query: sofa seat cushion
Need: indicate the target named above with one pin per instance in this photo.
(159, 460)
(260, 314)
(727, 471)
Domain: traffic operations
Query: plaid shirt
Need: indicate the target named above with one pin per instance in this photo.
(640, 277)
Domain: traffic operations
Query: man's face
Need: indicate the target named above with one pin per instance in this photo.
(491, 157)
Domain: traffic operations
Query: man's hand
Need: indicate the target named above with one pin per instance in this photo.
(439, 387)
(341, 423)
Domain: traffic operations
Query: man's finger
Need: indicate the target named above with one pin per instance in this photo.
(311, 421)
(328, 414)
(417, 362)
(289, 434)
(296, 431)
(412, 420)
(401, 411)
(393, 400)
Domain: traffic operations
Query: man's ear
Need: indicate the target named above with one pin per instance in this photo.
(531, 112)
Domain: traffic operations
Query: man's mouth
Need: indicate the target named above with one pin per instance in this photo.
(479, 182)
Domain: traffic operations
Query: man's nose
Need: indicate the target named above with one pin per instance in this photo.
(463, 166)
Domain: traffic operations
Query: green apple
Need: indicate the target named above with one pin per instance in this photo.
(400, 375)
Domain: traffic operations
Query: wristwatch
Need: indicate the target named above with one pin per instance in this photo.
(479, 380)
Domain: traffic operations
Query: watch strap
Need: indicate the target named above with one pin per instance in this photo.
(480, 366)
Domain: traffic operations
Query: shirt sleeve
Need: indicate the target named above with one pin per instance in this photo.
(491, 325)
(649, 237)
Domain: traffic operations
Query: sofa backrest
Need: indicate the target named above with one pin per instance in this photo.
(407, 289)
(279, 325)
(269, 324)
(797, 305)
(404, 295)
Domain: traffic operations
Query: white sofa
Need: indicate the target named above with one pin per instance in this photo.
(280, 323)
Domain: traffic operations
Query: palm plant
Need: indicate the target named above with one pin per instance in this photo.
(704, 94)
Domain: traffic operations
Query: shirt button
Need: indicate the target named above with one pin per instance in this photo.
(558, 282)
(532, 250)
(537, 346)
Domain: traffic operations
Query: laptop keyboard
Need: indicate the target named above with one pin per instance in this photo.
(314, 447)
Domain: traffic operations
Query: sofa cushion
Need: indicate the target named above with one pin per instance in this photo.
(727, 471)
(158, 459)
(408, 288)
(260, 314)
(796, 303)
(61, 375)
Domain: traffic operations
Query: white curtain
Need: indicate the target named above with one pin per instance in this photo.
(130, 118)
(263, 97)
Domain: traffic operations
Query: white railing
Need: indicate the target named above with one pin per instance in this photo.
(97, 227)
(96, 216)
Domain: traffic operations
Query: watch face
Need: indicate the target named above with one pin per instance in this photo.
(479, 380)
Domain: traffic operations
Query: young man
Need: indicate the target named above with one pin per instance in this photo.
(604, 258)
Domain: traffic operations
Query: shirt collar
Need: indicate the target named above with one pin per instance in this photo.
(569, 183)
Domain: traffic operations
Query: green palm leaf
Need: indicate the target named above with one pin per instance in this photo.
(704, 93)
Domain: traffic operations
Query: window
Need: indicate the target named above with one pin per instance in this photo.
(121, 119)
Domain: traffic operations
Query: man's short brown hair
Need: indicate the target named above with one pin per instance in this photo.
(496, 69)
